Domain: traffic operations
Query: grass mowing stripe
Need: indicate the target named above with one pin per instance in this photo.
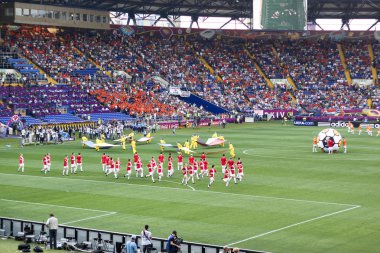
(183, 189)
(292, 225)
(106, 213)
(335, 157)
(43, 204)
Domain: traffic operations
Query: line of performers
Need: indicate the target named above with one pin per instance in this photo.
(368, 129)
(191, 170)
(74, 160)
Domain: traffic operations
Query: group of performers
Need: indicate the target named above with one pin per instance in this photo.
(368, 129)
(75, 164)
(190, 170)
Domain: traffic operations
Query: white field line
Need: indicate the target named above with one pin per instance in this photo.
(89, 218)
(106, 213)
(184, 189)
(292, 225)
(192, 188)
(43, 204)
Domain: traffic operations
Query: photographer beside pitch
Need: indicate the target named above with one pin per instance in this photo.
(173, 245)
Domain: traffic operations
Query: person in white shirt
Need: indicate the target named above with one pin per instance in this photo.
(52, 225)
(146, 239)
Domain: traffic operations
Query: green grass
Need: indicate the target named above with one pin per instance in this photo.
(291, 200)
(10, 246)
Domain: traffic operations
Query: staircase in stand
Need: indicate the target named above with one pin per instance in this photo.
(292, 83)
(288, 78)
(92, 61)
(208, 66)
(261, 72)
(343, 61)
(373, 67)
(42, 72)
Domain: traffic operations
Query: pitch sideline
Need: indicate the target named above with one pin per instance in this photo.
(106, 213)
(293, 225)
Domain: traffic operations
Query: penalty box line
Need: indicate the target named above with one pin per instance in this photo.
(106, 213)
(293, 225)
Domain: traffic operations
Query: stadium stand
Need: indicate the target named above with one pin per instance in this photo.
(108, 72)
(109, 117)
(62, 118)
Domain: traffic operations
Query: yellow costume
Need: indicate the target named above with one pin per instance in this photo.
(133, 145)
(179, 146)
(162, 142)
(187, 145)
(194, 143)
(131, 135)
(122, 140)
(98, 141)
(215, 135)
(148, 136)
(232, 150)
(221, 138)
(84, 138)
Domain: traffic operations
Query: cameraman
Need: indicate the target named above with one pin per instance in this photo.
(171, 246)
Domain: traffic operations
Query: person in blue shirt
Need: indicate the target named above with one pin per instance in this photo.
(171, 247)
(131, 246)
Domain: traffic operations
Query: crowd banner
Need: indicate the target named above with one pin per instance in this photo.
(371, 112)
(276, 114)
(173, 90)
(279, 82)
(362, 82)
(185, 94)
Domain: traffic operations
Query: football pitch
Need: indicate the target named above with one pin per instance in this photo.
(290, 200)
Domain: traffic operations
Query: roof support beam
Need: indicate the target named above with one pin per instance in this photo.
(194, 19)
(165, 17)
(377, 21)
(241, 21)
(171, 22)
(227, 23)
(315, 23)
(131, 16)
(345, 22)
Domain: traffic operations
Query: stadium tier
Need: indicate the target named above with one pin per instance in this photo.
(62, 118)
(109, 116)
(111, 72)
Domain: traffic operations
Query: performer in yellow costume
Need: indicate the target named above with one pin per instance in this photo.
(84, 138)
(133, 145)
(221, 138)
(232, 150)
(122, 141)
(148, 136)
(194, 143)
(187, 145)
(162, 142)
(131, 135)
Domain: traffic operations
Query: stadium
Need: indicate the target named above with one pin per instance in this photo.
(243, 125)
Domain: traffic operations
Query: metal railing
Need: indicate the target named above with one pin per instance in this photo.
(11, 227)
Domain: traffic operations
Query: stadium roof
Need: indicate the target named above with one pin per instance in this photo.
(317, 9)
